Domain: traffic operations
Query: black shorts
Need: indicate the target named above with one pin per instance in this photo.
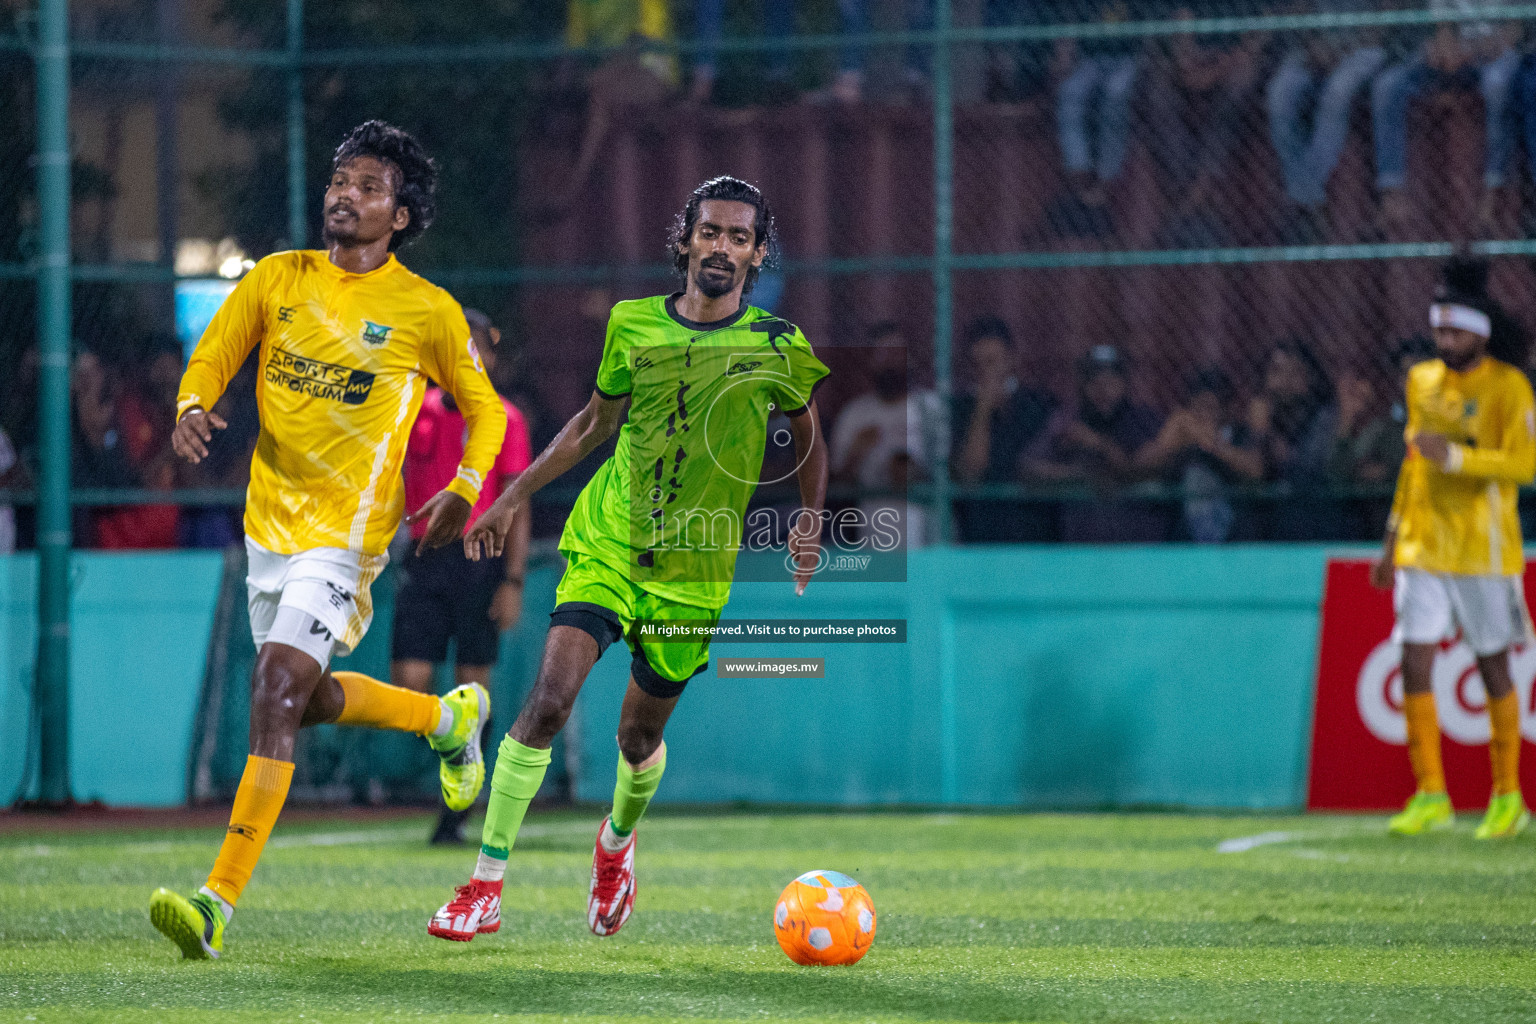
(442, 595)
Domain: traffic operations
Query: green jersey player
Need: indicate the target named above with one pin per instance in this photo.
(654, 535)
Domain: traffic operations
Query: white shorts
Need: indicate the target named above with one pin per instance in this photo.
(327, 585)
(1489, 610)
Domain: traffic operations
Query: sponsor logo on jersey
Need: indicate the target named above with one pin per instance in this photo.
(743, 367)
(376, 334)
(474, 353)
(317, 379)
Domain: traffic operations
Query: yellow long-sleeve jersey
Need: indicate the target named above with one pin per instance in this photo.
(344, 363)
(1460, 517)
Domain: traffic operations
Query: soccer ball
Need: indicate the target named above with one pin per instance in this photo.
(824, 917)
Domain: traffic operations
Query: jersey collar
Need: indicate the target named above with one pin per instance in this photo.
(388, 265)
(694, 325)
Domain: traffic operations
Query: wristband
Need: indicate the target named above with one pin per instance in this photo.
(516, 581)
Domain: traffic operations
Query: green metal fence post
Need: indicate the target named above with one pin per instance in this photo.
(943, 246)
(298, 232)
(51, 693)
(943, 301)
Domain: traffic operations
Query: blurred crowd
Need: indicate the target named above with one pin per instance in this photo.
(1193, 101)
(1291, 455)
(122, 412)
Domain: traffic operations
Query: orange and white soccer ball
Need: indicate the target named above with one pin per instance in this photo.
(824, 917)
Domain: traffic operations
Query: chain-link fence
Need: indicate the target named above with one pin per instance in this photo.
(1156, 266)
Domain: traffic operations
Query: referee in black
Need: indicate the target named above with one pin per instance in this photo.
(443, 595)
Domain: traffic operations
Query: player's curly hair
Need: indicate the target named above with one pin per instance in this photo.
(1464, 281)
(416, 189)
(733, 190)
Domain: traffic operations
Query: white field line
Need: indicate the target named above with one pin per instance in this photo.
(1245, 843)
(312, 839)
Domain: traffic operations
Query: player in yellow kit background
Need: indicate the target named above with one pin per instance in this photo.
(347, 339)
(1453, 553)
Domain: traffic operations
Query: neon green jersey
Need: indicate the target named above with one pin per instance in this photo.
(668, 506)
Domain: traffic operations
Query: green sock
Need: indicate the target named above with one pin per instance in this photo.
(633, 792)
(519, 771)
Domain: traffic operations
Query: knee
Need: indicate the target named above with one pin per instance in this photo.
(544, 715)
(279, 690)
(638, 741)
(1384, 91)
(1278, 95)
(1495, 83)
(1120, 85)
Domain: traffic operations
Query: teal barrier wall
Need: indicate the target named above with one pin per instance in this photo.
(1054, 676)
(140, 632)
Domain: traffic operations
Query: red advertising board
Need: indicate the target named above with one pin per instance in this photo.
(1359, 734)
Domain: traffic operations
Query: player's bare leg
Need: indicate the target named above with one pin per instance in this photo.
(291, 690)
(1507, 815)
(521, 761)
(642, 760)
(1429, 808)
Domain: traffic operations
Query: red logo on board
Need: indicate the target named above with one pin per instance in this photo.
(1359, 735)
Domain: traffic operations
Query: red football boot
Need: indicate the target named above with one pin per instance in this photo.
(612, 896)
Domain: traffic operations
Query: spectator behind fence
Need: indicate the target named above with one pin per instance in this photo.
(1369, 445)
(1294, 419)
(1528, 122)
(98, 457)
(18, 403)
(227, 465)
(1093, 121)
(709, 28)
(12, 474)
(1198, 92)
(1097, 444)
(640, 74)
(1345, 62)
(1204, 450)
(146, 415)
(1015, 71)
(871, 441)
(992, 426)
(1472, 54)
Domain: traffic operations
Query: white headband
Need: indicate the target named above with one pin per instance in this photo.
(1452, 314)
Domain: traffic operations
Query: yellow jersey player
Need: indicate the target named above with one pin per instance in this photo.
(1453, 548)
(347, 338)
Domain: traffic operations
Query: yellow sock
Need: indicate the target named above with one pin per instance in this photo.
(1424, 742)
(1504, 744)
(381, 706)
(263, 788)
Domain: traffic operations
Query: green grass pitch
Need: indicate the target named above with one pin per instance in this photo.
(981, 918)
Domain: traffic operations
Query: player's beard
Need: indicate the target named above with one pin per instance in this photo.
(712, 285)
(346, 236)
(1461, 360)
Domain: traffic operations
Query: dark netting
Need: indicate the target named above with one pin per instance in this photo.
(1145, 270)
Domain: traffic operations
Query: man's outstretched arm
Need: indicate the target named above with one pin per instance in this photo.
(590, 427)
